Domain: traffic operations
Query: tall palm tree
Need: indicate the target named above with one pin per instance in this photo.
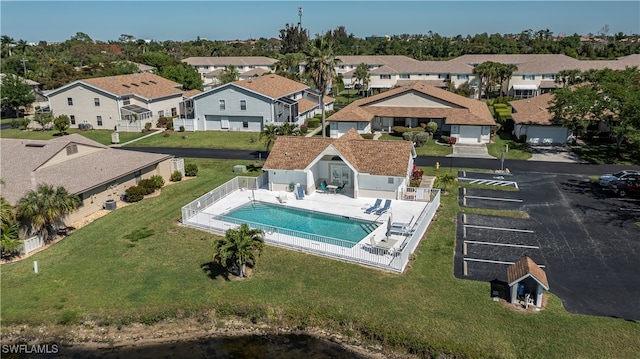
(10, 242)
(486, 72)
(45, 208)
(321, 63)
(238, 247)
(269, 134)
(362, 76)
(506, 72)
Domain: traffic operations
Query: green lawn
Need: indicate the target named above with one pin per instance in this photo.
(517, 150)
(430, 149)
(605, 153)
(98, 274)
(102, 136)
(205, 139)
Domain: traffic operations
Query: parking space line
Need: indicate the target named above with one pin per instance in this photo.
(499, 228)
(495, 199)
(503, 244)
(492, 261)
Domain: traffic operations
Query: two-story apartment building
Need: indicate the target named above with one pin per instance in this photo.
(249, 105)
(124, 103)
(210, 68)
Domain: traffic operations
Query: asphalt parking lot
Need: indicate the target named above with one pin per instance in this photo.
(585, 238)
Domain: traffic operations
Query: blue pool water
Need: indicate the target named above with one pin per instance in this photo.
(349, 230)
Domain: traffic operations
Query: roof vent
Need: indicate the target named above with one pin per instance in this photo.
(34, 145)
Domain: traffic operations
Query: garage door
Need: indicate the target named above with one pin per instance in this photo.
(469, 134)
(547, 135)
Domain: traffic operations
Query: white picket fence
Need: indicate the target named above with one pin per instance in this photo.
(31, 244)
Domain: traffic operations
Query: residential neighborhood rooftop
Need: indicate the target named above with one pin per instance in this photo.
(532, 110)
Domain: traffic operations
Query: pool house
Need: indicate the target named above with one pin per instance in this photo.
(377, 220)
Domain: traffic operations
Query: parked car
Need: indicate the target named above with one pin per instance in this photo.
(608, 177)
(630, 185)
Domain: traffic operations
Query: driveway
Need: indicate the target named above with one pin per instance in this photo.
(554, 154)
(586, 239)
(470, 151)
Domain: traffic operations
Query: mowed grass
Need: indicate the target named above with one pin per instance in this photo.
(517, 150)
(101, 136)
(99, 273)
(430, 149)
(605, 153)
(205, 139)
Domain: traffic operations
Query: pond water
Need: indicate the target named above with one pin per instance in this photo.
(254, 346)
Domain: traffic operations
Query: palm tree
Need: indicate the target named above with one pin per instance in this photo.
(238, 247)
(362, 76)
(10, 242)
(45, 208)
(321, 63)
(269, 134)
(444, 180)
(505, 71)
(288, 129)
(486, 73)
(230, 74)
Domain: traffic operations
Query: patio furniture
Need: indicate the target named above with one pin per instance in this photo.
(384, 209)
(385, 246)
(282, 197)
(300, 193)
(340, 188)
(323, 187)
(374, 207)
(332, 188)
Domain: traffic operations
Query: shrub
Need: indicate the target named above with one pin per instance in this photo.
(420, 138)
(162, 122)
(148, 186)
(314, 122)
(158, 181)
(523, 138)
(408, 136)
(432, 127)
(166, 134)
(191, 170)
(416, 173)
(367, 136)
(147, 126)
(20, 123)
(176, 176)
(399, 130)
(500, 105)
(303, 129)
(134, 194)
(181, 129)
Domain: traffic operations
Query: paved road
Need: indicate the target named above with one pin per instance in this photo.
(512, 165)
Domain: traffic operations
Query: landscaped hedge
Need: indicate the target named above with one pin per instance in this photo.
(191, 169)
(314, 122)
(157, 180)
(147, 185)
(419, 138)
(399, 130)
(176, 176)
(367, 136)
(134, 194)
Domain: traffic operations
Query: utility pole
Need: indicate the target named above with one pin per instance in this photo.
(24, 66)
(300, 17)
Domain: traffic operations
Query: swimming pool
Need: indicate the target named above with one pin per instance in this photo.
(266, 215)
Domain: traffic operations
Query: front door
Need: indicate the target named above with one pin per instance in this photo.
(341, 175)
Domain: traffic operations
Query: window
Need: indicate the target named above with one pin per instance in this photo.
(72, 149)
(138, 176)
(245, 124)
(161, 113)
(243, 105)
(73, 119)
(222, 105)
(69, 101)
(463, 77)
(529, 77)
(174, 111)
(549, 77)
(405, 76)
(443, 76)
(390, 180)
(99, 119)
(96, 101)
(385, 77)
(126, 101)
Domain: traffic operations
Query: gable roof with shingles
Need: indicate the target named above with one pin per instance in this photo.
(144, 85)
(382, 158)
(526, 267)
(23, 160)
(533, 111)
(230, 61)
(463, 111)
(271, 85)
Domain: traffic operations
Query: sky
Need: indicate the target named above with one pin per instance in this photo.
(54, 21)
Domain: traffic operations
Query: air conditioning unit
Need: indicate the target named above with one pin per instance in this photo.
(110, 205)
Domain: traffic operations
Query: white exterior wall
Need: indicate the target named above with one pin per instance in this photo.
(279, 180)
(541, 135)
(165, 105)
(84, 108)
(471, 134)
(373, 186)
(337, 129)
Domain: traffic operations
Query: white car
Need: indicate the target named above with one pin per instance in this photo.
(608, 177)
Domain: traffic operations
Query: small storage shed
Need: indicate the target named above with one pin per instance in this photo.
(526, 282)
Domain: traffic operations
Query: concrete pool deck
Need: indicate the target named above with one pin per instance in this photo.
(390, 255)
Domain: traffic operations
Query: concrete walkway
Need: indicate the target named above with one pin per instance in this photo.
(160, 130)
